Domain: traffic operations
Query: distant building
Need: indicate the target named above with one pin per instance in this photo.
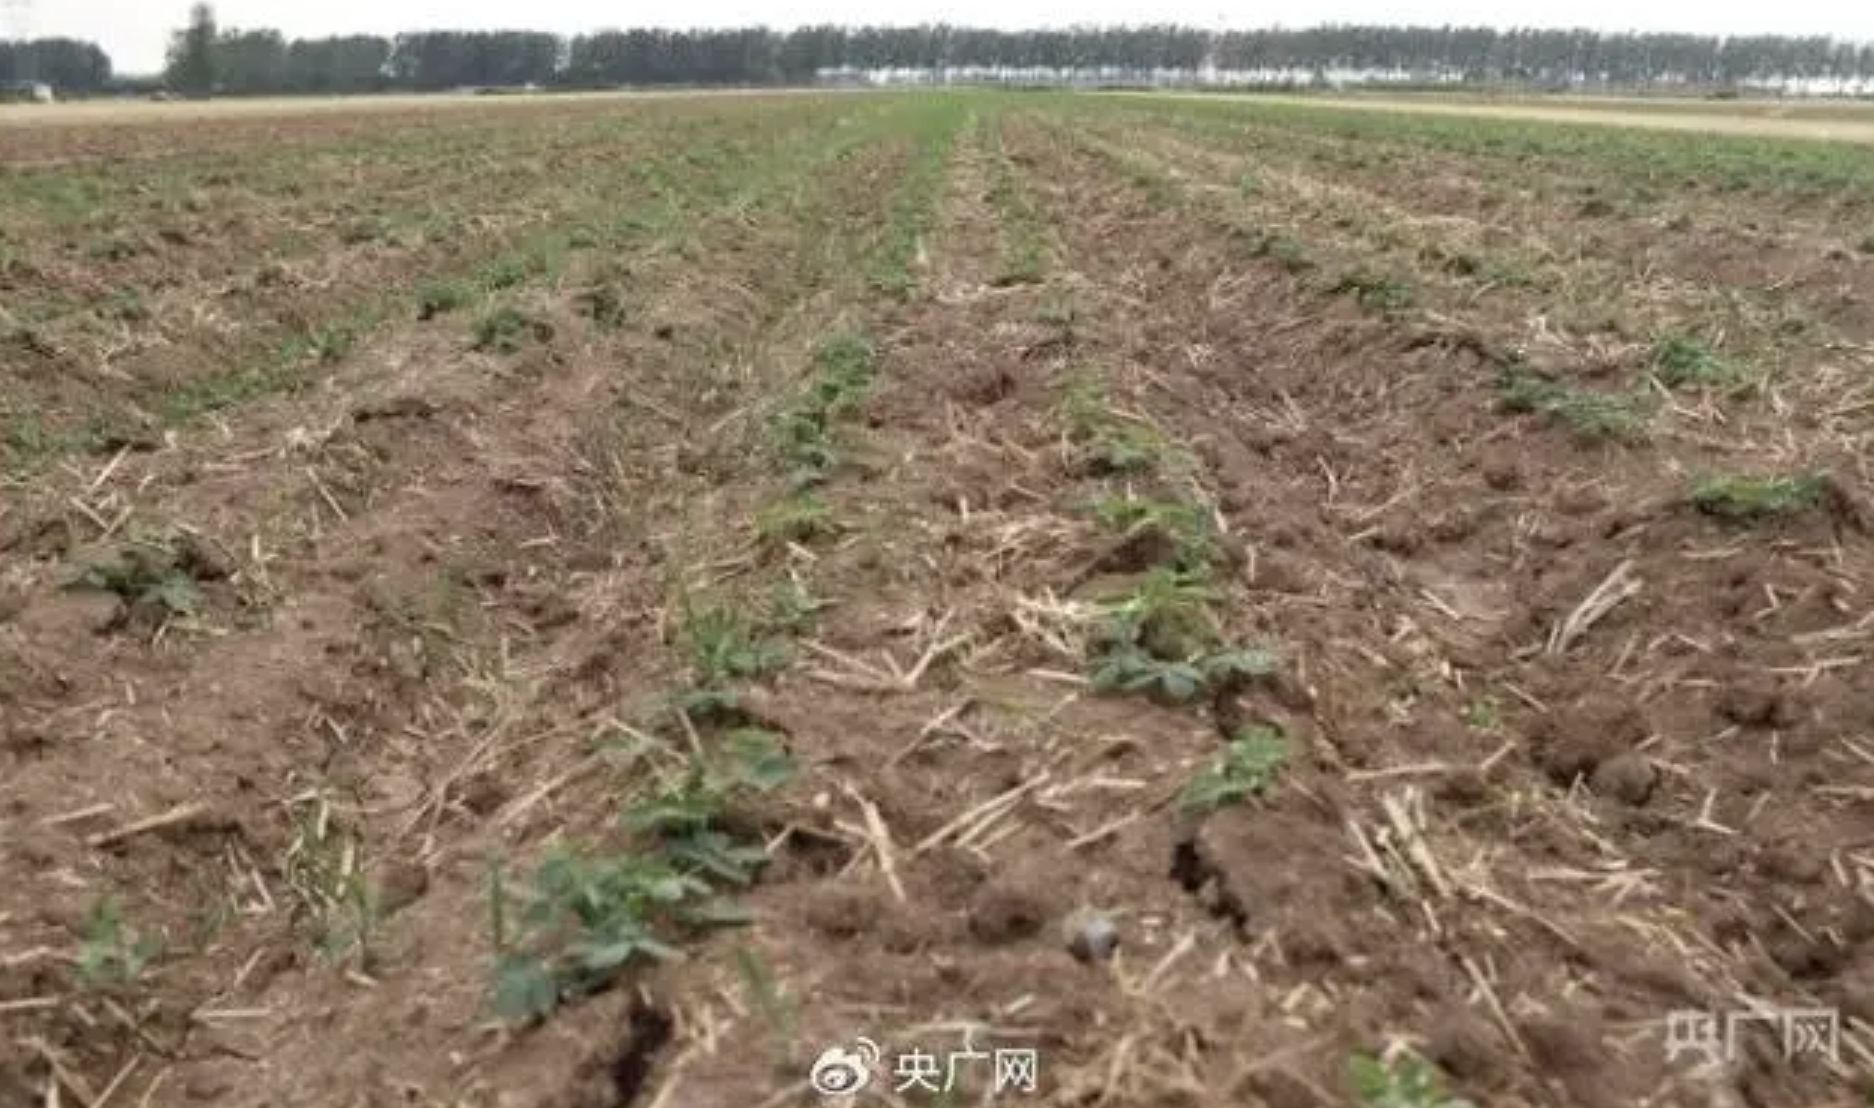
(26, 92)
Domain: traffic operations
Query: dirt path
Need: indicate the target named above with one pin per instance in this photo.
(1632, 114)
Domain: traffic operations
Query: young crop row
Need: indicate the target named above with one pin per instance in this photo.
(582, 917)
(1305, 247)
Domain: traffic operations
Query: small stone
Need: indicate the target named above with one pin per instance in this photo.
(1091, 935)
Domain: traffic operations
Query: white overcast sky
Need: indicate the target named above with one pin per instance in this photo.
(134, 31)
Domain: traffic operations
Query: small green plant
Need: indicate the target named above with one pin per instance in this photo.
(149, 571)
(440, 297)
(1408, 1082)
(1189, 526)
(724, 645)
(125, 305)
(1376, 291)
(1284, 250)
(1119, 448)
(1131, 670)
(1166, 615)
(332, 342)
(686, 818)
(843, 370)
(1246, 768)
(1024, 253)
(1622, 417)
(1126, 668)
(1679, 361)
(112, 952)
(847, 364)
(583, 919)
(792, 608)
(1084, 405)
(504, 273)
(1482, 714)
(1113, 444)
(1754, 498)
(1160, 639)
(1023, 263)
(580, 921)
(1057, 309)
(800, 517)
(506, 329)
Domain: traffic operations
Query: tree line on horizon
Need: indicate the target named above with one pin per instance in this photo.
(204, 58)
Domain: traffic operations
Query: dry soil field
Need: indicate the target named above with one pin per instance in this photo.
(595, 603)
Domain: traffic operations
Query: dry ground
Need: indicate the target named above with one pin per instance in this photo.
(593, 603)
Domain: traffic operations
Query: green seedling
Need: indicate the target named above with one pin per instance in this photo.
(1113, 444)
(1678, 362)
(1084, 406)
(1166, 616)
(125, 305)
(1376, 291)
(1161, 640)
(791, 608)
(1131, 670)
(1189, 526)
(112, 952)
(724, 645)
(1282, 249)
(1747, 499)
(580, 921)
(844, 367)
(801, 517)
(332, 342)
(504, 273)
(1057, 309)
(1620, 417)
(1126, 668)
(440, 297)
(1408, 1082)
(506, 329)
(1246, 768)
(1126, 448)
(151, 571)
(1483, 715)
